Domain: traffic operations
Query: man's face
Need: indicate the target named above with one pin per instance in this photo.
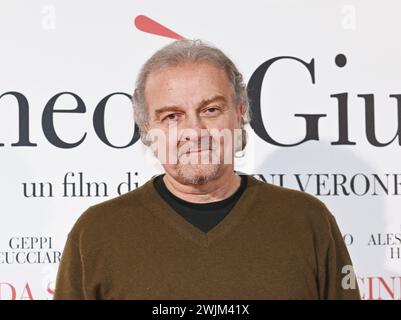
(192, 106)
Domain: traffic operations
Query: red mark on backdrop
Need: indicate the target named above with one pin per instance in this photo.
(148, 25)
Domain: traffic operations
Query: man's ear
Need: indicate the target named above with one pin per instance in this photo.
(240, 113)
(146, 127)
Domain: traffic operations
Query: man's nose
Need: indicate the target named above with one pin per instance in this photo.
(194, 127)
(195, 122)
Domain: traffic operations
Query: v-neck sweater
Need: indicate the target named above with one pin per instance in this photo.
(276, 243)
(204, 216)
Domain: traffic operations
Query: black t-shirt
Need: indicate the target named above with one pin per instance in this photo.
(204, 216)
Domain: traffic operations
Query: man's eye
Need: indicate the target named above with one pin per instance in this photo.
(171, 116)
(211, 110)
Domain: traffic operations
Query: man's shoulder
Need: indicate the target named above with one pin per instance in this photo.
(289, 195)
(106, 215)
(292, 204)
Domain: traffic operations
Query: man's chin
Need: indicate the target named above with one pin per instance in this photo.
(197, 174)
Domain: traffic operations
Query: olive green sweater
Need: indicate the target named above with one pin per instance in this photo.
(276, 243)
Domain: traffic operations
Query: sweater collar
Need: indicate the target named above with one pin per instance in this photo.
(162, 210)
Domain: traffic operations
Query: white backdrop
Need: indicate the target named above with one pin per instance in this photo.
(93, 49)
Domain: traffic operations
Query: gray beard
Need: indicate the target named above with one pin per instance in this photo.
(194, 178)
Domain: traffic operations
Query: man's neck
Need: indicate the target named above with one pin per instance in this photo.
(214, 190)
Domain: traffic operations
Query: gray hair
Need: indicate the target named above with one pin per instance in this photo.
(179, 52)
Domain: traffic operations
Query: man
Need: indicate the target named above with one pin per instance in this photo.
(201, 230)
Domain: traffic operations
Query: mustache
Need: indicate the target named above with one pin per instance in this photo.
(206, 143)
